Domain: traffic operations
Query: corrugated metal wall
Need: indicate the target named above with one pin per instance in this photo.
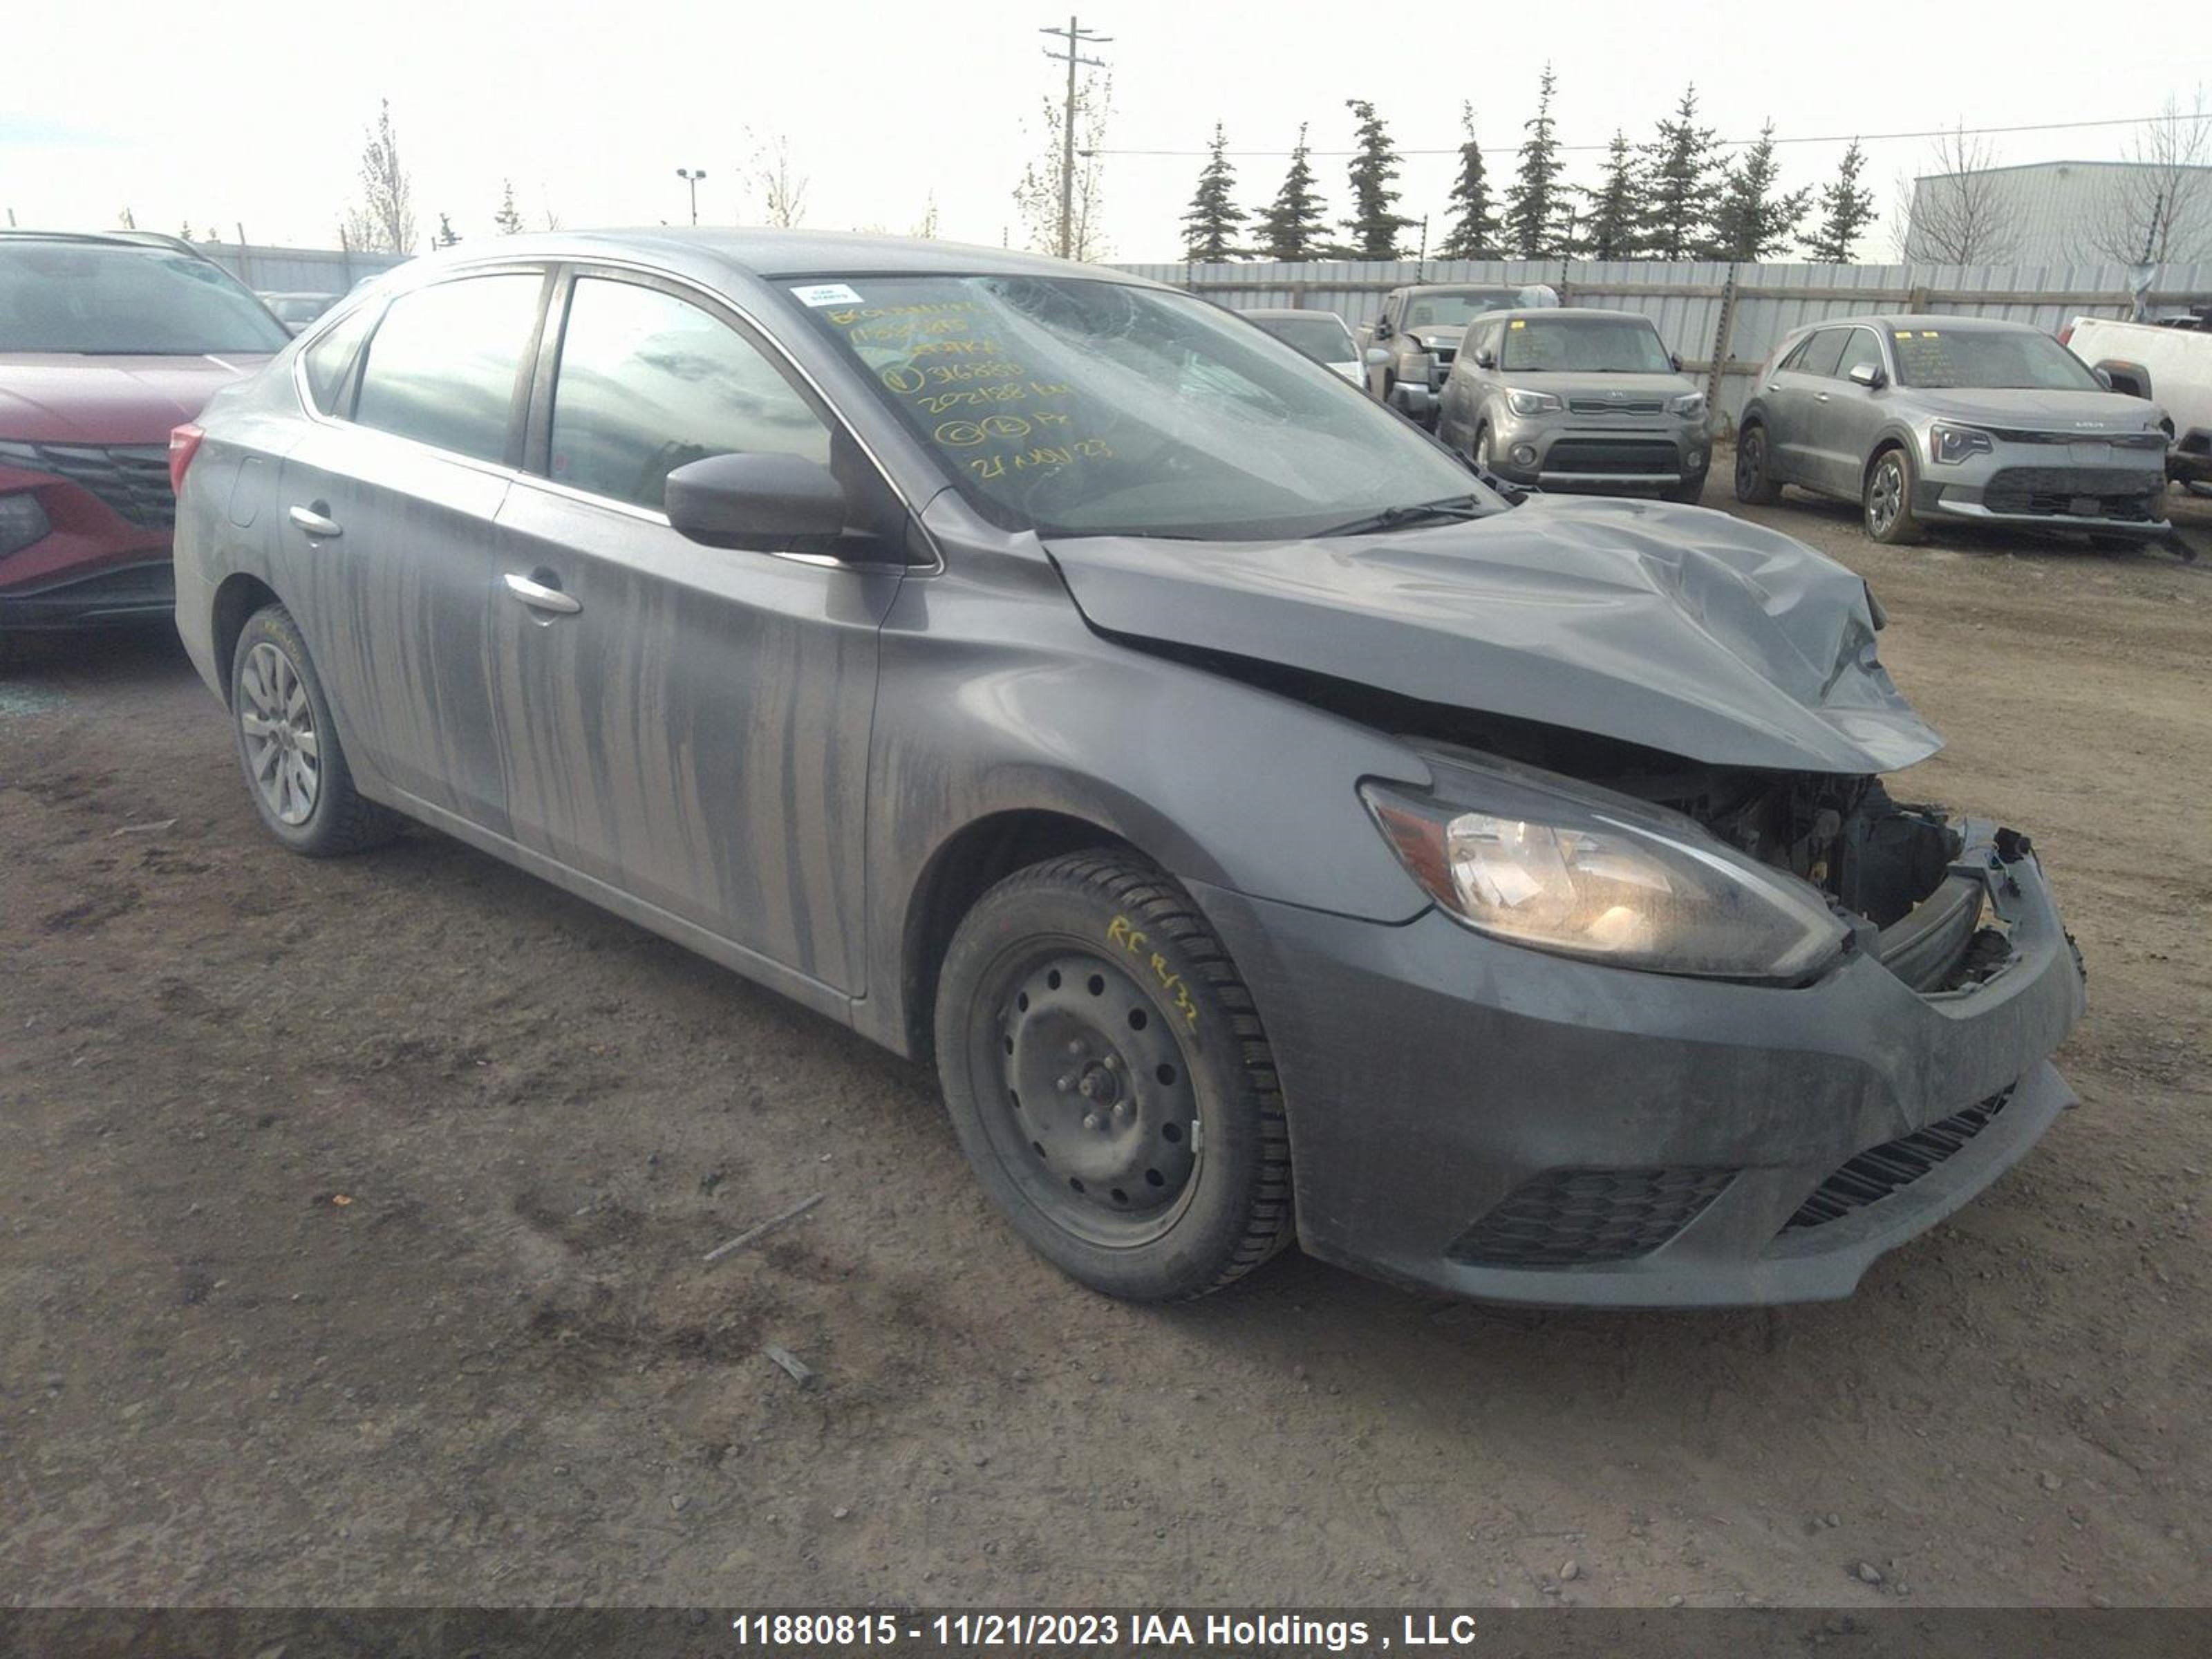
(297, 269)
(1686, 301)
(2060, 210)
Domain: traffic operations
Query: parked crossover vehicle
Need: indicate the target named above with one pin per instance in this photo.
(1577, 400)
(1418, 333)
(1963, 419)
(1320, 335)
(1266, 831)
(106, 343)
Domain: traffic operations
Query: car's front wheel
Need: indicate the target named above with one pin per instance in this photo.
(1887, 504)
(1755, 484)
(1109, 1080)
(295, 769)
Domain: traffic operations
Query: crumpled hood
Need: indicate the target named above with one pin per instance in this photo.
(65, 399)
(1678, 629)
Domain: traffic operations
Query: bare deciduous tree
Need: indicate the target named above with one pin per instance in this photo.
(1960, 211)
(1037, 198)
(383, 221)
(2162, 209)
(783, 191)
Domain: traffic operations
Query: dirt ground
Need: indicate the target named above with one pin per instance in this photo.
(351, 1219)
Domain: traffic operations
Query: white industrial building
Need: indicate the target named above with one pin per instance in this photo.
(2062, 213)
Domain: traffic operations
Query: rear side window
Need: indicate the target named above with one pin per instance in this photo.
(442, 366)
(647, 383)
(1823, 351)
(328, 364)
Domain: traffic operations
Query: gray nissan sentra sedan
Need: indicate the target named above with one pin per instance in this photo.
(1969, 419)
(1264, 832)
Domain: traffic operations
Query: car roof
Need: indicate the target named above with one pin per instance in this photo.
(1920, 320)
(1289, 311)
(766, 254)
(1465, 287)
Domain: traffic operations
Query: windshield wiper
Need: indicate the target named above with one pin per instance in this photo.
(1452, 509)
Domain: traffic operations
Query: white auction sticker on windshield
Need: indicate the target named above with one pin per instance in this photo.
(827, 294)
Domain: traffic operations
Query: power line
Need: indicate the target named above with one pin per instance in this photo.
(1828, 138)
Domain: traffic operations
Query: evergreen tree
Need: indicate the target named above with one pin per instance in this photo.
(1757, 218)
(1374, 226)
(1210, 229)
(1473, 233)
(508, 220)
(1614, 228)
(445, 235)
(1533, 206)
(1846, 210)
(1683, 178)
(1292, 227)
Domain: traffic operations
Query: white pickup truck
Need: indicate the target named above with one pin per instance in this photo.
(2169, 364)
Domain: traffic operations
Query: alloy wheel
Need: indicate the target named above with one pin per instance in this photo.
(1885, 494)
(283, 752)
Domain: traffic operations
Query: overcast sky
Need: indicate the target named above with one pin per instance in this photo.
(237, 111)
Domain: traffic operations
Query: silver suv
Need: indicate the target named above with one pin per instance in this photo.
(1964, 418)
(1577, 400)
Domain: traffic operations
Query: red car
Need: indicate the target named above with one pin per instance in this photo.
(106, 343)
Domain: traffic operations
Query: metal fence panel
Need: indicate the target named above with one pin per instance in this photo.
(1685, 301)
(298, 270)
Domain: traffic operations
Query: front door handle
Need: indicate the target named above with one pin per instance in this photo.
(541, 596)
(317, 522)
(1819, 397)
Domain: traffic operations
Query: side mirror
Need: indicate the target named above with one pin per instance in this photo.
(760, 502)
(2104, 376)
(1676, 358)
(1377, 358)
(1486, 359)
(1382, 328)
(1868, 375)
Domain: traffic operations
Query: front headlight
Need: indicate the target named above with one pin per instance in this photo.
(1532, 403)
(1542, 861)
(1689, 405)
(23, 521)
(1950, 445)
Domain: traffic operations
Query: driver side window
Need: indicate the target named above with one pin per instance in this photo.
(646, 383)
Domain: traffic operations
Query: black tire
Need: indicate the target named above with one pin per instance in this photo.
(323, 816)
(1067, 981)
(1886, 500)
(1755, 484)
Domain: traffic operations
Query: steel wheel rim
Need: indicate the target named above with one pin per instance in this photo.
(1086, 1093)
(1483, 457)
(1882, 498)
(277, 728)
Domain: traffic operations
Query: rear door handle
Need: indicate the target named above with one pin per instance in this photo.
(317, 522)
(540, 596)
(1819, 397)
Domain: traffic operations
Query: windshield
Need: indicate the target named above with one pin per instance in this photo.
(1992, 358)
(1075, 407)
(1455, 308)
(1583, 345)
(113, 300)
(1324, 339)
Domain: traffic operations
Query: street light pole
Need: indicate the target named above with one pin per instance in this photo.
(1075, 36)
(691, 176)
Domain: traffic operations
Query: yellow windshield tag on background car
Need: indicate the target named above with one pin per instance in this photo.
(1930, 334)
(1905, 334)
(1518, 322)
(827, 294)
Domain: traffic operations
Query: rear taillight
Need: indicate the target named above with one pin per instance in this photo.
(183, 444)
(2066, 335)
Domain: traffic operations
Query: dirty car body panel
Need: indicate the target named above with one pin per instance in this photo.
(806, 761)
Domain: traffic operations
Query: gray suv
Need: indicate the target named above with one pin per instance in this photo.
(1264, 831)
(1577, 400)
(1966, 420)
(1418, 333)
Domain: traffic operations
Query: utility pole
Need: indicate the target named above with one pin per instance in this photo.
(691, 176)
(1077, 37)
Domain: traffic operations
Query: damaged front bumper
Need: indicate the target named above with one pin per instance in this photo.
(1474, 1118)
